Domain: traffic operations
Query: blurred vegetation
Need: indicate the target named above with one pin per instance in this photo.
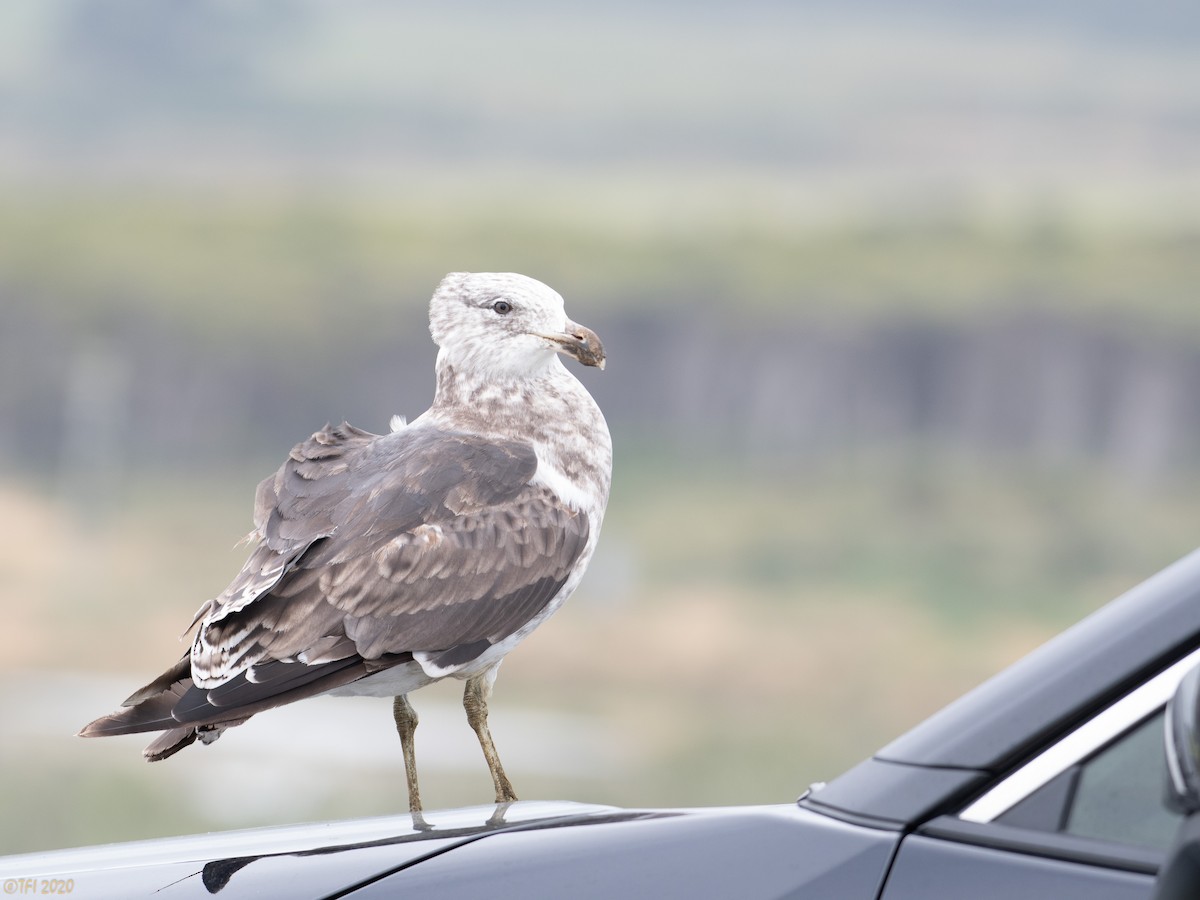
(314, 268)
(904, 337)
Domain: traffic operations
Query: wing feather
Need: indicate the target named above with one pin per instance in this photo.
(418, 541)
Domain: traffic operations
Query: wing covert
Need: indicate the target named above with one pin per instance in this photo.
(380, 546)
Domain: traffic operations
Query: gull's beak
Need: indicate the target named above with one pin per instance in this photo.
(579, 342)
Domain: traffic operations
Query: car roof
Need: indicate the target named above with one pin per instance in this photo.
(313, 859)
(521, 849)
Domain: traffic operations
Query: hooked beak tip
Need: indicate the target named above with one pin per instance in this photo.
(581, 343)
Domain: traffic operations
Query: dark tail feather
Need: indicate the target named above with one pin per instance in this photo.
(174, 705)
(149, 709)
(181, 671)
(169, 743)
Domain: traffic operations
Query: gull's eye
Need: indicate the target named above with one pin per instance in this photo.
(503, 307)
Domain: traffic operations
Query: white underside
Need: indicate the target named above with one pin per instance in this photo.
(392, 682)
(410, 676)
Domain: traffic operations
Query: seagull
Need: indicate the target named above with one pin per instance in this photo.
(384, 563)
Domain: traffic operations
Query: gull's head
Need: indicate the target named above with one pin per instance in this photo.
(506, 324)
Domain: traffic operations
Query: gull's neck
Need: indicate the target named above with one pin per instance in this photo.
(510, 406)
(548, 408)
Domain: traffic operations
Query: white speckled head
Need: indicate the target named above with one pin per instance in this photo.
(505, 324)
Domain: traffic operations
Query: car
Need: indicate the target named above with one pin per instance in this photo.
(1048, 780)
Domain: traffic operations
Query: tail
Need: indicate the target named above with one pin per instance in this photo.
(150, 708)
(172, 703)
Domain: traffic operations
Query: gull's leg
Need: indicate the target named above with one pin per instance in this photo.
(475, 699)
(406, 727)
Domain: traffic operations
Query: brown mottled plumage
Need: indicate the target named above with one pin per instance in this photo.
(383, 563)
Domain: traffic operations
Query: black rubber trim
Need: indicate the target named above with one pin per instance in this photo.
(896, 795)
(832, 812)
(1067, 847)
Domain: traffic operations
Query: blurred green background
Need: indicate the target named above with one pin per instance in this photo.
(904, 340)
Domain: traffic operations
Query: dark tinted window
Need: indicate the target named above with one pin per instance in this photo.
(1119, 795)
(1114, 795)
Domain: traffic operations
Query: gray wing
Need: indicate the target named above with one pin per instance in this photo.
(418, 541)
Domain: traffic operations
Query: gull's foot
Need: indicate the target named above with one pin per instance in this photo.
(497, 818)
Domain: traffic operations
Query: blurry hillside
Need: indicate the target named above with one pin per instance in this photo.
(900, 304)
(828, 226)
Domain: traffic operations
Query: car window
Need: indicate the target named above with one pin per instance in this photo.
(1116, 794)
(1120, 794)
